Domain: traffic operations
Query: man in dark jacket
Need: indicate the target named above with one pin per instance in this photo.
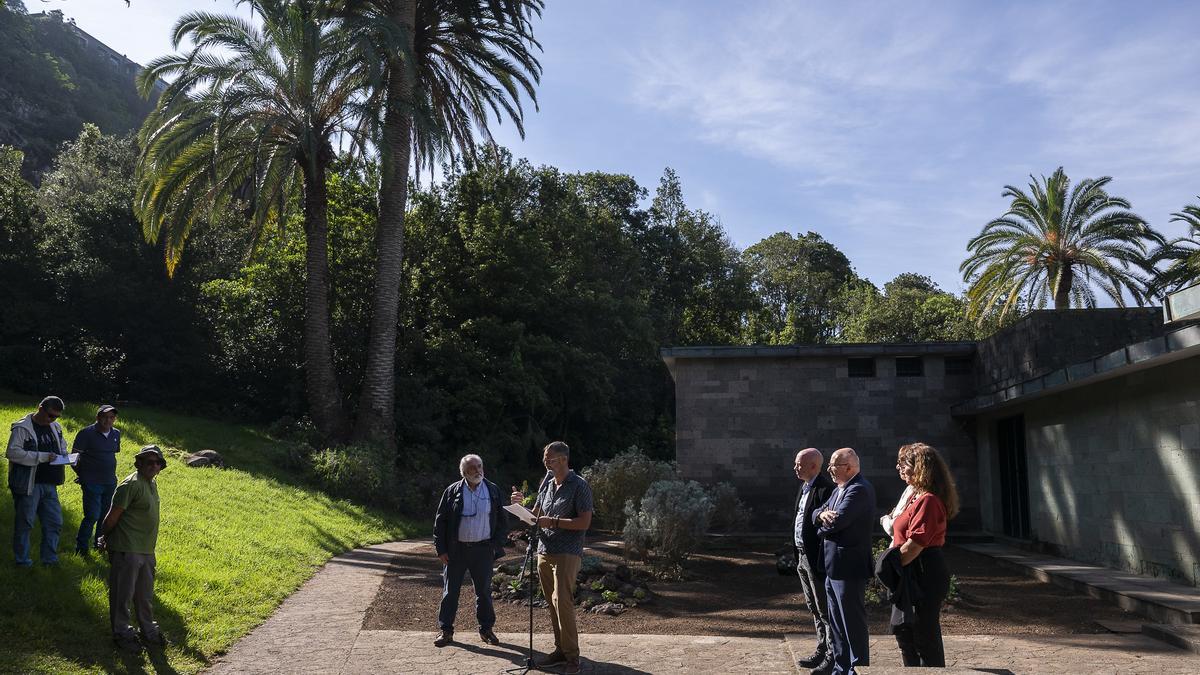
(468, 533)
(97, 445)
(845, 522)
(815, 488)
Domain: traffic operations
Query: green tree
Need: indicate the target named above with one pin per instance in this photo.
(251, 112)
(1181, 255)
(448, 65)
(797, 280)
(911, 308)
(1056, 241)
(699, 286)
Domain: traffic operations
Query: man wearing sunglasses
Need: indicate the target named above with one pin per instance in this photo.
(36, 448)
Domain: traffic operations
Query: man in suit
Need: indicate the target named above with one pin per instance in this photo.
(815, 488)
(844, 521)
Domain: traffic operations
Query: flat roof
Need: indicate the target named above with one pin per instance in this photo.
(844, 349)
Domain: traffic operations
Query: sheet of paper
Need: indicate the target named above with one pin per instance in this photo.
(522, 513)
(65, 459)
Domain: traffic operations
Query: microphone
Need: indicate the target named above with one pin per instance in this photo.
(548, 477)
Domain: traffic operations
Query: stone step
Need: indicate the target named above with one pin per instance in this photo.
(1184, 636)
(1157, 599)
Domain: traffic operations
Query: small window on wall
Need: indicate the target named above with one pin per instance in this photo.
(959, 365)
(910, 366)
(860, 367)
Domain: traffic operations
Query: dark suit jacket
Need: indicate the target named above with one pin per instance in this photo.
(848, 540)
(449, 512)
(822, 487)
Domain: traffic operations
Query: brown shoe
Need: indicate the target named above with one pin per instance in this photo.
(488, 636)
(444, 638)
(554, 658)
(572, 667)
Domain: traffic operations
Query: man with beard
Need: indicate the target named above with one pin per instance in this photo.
(468, 533)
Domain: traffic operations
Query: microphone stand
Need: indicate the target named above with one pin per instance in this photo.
(527, 569)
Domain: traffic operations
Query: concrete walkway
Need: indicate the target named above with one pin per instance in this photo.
(319, 630)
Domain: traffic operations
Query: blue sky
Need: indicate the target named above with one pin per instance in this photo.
(889, 128)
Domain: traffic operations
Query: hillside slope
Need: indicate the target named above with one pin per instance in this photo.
(53, 78)
(233, 544)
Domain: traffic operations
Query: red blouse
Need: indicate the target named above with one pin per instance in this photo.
(923, 520)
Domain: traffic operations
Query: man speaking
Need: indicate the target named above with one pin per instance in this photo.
(564, 513)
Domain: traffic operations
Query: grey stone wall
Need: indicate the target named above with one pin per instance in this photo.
(743, 419)
(1047, 340)
(1114, 471)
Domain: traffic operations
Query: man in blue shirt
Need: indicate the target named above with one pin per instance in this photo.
(564, 514)
(468, 534)
(97, 445)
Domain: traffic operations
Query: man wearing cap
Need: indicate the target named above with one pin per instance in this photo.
(130, 534)
(97, 445)
(35, 443)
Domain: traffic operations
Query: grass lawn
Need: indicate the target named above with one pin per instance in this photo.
(232, 545)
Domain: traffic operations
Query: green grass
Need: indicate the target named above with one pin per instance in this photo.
(232, 545)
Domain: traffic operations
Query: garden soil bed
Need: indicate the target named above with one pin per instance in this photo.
(739, 593)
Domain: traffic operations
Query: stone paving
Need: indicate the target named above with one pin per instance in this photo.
(319, 630)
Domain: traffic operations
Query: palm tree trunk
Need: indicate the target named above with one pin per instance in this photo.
(377, 400)
(1062, 295)
(320, 377)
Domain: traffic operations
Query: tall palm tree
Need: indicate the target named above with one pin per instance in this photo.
(249, 114)
(1181, 255)
(448, 66)
(1056, 241)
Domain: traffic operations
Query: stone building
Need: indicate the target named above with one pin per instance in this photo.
(1074, 431)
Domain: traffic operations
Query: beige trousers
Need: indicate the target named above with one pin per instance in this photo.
(558, 573)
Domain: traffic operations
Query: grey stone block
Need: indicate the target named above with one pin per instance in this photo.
(1146, 350)
(1031, 387)
(1112, 360)
(1078, 371)
(1182, 339)
(1057, 378)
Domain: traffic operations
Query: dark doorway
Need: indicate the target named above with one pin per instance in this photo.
(1014, 476)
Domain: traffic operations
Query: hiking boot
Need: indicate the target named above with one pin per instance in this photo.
(817, 658)
(554, 658)
(127, 644)
(444, 638)
(572, 667)
(156, 640)
(488, 636)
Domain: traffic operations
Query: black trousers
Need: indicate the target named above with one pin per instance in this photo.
(920, 641)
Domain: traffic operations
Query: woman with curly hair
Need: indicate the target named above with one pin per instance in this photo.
(919, 531)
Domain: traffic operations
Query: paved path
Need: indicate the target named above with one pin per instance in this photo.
(319, 630)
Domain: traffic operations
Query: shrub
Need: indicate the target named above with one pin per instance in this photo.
(729, 513)
(877, 593)
(670, 523)
(359, 472)
(622, 479)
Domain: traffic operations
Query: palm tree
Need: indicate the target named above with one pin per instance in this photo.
(1056, 241)
(250, 115)
(1182, 255)
(448, 66)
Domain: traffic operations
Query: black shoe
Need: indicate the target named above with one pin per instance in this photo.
(817, 658)
(444, 638)
(488, 636)
(554, 658)
(156, 640)
(128, 644)
(824, 668)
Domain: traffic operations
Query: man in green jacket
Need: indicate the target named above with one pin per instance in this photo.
(130, 536)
